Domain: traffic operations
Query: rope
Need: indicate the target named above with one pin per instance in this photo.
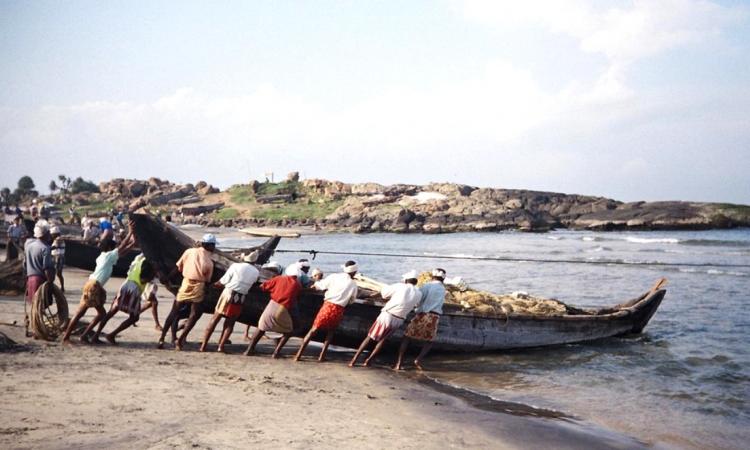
(44, 323)
(315, 253)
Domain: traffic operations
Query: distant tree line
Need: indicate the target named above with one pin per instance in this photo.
(25, 188)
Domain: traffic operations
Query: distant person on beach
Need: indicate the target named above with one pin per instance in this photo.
(404, 297)
(423, 327)
(91, 232)
(284, 291)
(341, 290)
(275, 268)
(236, 282)
(106, 228)
(58, 254)
(197, 268)
(38, 264)
(44, 212)
(16, 236)
(128, 299)
(34, 211)
(94, 295)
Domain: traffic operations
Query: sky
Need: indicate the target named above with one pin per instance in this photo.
(633, 100)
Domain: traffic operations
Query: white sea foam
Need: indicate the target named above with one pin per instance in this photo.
(637, 240)
(589, 238)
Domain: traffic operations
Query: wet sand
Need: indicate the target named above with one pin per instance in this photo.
(135, 396)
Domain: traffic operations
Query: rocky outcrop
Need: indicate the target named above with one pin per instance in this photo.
(447, 207)
(431, 208)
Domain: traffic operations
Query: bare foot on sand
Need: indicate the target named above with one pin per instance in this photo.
(110, 339)
(275, 356)
(160, 344)
(351, 364)
(202, 348)
(367, 362)
(67, 343)
(418, 365)
(249, 352)
(397, 368)
(220, 350)
(321, 359)
(178, 346)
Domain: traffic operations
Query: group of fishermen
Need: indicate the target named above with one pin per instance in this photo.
(138, 292)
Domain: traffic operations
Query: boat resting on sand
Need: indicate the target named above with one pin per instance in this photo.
(459, 331)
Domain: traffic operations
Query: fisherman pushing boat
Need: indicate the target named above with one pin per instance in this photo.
(196, 268)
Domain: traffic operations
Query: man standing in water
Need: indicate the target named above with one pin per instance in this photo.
(423, 327)
(197, 268)
(341, 290)
(403, 298)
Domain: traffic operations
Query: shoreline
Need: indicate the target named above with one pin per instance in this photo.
(135, 395)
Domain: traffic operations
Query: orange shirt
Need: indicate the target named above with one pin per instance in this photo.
(195, 264)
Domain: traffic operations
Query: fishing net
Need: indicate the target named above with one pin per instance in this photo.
(483, 302)
(49, 312)
(487, 303)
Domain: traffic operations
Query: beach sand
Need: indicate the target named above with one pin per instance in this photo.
(135, 396)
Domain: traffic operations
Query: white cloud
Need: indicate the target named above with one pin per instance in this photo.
(626, 33)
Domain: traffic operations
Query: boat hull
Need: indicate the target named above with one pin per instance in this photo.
(461, 332)
(83, 255)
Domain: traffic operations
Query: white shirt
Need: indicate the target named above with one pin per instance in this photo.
(340, 288)
(240, 277)
(403, 298)
(148, 291)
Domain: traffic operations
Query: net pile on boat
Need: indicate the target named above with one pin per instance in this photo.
(483, 302)
(488, 303)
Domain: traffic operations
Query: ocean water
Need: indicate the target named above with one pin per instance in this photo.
(684, 382)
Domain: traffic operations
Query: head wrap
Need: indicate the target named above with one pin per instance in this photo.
(208, 238)
(316, 271)
(251, 257)
(410, 275)
(39, 231)
(54, 230)
(273, 265)
(440, 273)
(292, 270)
(350, 269)
(303, 263)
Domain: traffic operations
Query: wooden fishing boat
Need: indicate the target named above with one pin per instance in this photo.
(270, 232)
(459, 331)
